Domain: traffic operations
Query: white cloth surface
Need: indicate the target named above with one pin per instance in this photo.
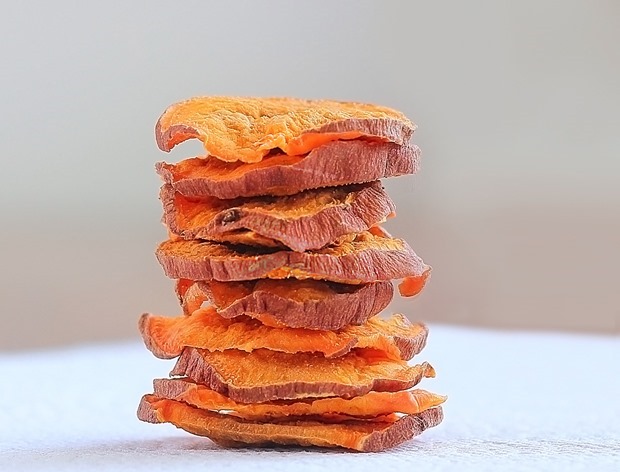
(517, 401)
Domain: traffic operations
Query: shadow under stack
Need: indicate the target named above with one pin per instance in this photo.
(281, 269)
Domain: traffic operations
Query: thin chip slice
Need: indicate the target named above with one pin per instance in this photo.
(330, 165)
(310, 304)
(265, 375)
(307, 220)
(246, 129)
(371, 405)
(368, 436)
(368, 258)
(166, 337)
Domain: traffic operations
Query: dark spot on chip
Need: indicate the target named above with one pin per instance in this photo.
(231, 216)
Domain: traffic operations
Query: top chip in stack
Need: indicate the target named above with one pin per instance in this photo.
(281, 269)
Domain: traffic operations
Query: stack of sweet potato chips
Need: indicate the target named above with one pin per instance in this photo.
(281, 269)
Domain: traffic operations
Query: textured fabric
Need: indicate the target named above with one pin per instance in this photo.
(516, 402)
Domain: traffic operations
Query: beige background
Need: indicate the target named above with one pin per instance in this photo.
(517, 207)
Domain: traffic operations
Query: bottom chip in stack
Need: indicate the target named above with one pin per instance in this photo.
(361, 435)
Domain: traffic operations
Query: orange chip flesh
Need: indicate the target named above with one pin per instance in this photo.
(371, 405)
(247, 129)
(265, 375)
(166, 337)
(412, 286)
(366, 436)
(369, 258)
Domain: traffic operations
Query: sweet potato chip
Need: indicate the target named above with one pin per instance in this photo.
(265, 375)
(333, 164)
(310, 304)
(371, 405)
(368, 258)
(247, 129)
(307, 220)
(166, 337)
(368, 436)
